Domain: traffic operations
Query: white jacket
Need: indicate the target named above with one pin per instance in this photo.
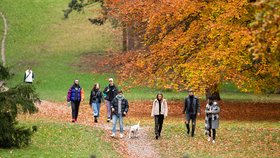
(29, 76)
(155, 109)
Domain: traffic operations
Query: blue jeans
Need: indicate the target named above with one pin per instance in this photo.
(115, 118)
(96, 109)
(108, 105)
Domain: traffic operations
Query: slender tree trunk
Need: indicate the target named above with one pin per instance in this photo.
(4, 39)
(125, 45)
(130, 37)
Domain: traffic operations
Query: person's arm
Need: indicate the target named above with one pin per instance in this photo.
(207, 110)
(185, 105)
(69, 94)
(113, 104)
(24, 77)
(90, 100)
(102, 97)
(126, 107)
(152, 113)
(198, 106)
(216, 110)
(105, 90)
(33, 75)
(166, 109)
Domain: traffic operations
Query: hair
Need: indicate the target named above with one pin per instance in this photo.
(159, 93)
(95, 86)
(119, 92)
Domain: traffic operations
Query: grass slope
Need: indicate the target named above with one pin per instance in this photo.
(62, 140)
(40, 37)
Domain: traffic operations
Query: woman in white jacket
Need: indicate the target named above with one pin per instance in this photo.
(159, 112)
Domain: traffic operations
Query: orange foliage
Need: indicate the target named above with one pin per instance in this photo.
(194, 44)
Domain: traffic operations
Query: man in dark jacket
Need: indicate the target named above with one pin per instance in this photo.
(110, 93)
(191, 109)
(119, 110)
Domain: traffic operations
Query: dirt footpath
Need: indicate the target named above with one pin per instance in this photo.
(142, 146)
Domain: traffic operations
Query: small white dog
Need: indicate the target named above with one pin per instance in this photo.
(133, 132)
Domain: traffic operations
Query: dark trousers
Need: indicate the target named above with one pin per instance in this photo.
(210, 127)
(190, 117)
(75, 109)
(158, 124)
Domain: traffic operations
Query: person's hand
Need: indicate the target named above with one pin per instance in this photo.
(198, 114)
(113, 109)
(124, 113)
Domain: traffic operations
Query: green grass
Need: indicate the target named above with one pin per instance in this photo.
(39, 37)
(62, 140)
(234, 139)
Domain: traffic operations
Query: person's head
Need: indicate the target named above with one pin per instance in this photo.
(210, 100)
(120, 93)
(76, 82)
(159, 96)
(191, 93)
(111, 81)
(29, 68)
(96, 86)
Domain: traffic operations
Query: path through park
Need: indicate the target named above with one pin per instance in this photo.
(144, 146)
(136, 147)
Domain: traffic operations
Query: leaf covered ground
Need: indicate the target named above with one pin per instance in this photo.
(246, 130)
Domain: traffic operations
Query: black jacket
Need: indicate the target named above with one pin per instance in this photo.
(95, 96)
(125, 106)
(112, 93)
(195, 105)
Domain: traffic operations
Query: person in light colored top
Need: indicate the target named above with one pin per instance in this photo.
(212, 111)
(29, 76)
(159, 112)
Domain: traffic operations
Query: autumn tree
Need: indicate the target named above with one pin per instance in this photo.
(14, 101)
(200, 43)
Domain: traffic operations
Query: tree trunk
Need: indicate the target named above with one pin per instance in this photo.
(125, 39)
(213, 92)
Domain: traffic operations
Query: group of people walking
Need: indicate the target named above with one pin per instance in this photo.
(117, 108)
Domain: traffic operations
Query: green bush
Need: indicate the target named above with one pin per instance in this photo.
(14, 101)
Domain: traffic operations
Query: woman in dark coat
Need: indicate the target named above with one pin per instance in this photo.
(95, 99)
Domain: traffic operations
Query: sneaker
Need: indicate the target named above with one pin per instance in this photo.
(113, 135)
(121, 135)
(156, 137)
(73, 120)
(108, 120)
(213, 141)
(209, 139)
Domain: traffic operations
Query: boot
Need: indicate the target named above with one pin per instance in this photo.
(193, 129)
(188, 128)
(95, 119)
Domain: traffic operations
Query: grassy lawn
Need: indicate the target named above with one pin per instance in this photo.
(62, 140)
(39, 37)
(234, 139)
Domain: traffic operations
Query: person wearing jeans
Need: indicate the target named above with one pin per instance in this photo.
(96, 97)
(212, 111)
(110, 93)
(75, 96)
(119, 110)
(159, 112)
(191, 109)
